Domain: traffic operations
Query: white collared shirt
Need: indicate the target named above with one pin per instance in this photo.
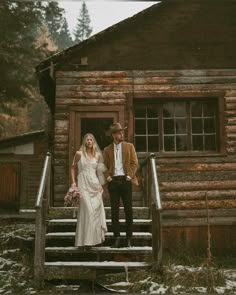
(119, 170)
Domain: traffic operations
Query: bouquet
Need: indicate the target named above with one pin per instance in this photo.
(72, 197)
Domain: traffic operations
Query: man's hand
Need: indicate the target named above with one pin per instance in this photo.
(109, 179)
(128, 178)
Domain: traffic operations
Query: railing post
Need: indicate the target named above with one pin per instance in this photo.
(41, 207)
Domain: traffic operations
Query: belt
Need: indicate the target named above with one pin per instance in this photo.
(119, 177)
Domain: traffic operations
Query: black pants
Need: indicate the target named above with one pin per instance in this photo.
(118, 188)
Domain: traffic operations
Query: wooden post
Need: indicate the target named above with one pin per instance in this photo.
(156, 237)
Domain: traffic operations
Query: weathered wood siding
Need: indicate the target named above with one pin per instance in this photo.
(183, 180)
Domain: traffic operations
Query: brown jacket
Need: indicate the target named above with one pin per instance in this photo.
(129, 159)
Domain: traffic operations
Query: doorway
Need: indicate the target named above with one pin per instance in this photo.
(95, 120)
(98, 127)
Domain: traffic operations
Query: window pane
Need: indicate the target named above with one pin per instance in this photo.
(152, 111)
(153, 143)
(209, 125)
(140, 126)
(169, 127)
(140, 143)
(197, 126)
(169, 143)
(196, 109)
(181, 143)
(152, 126)
(168, 109)
(180, 109)
(210, 143)
(208, 110)
(197, 142)
(181, 126)
(140, 112)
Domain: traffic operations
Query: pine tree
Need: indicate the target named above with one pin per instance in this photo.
(64, 38)
(83, 29)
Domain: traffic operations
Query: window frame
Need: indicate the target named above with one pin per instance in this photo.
(184, 96)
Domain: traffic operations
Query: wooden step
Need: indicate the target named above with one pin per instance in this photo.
(101, 250)
(67, 212)
(73, 221)
(85, 269)
(143, 235)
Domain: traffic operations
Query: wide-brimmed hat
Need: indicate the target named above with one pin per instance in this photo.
(116, 127)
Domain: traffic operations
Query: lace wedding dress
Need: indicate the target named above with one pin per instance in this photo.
(91, 223)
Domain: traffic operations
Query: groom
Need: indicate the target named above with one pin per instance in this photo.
(121, 161)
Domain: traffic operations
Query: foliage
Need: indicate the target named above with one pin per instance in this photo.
(57, 25)
(83, 29)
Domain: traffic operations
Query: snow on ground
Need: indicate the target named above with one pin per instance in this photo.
(16, 272)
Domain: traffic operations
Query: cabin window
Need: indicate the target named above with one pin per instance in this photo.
(176, 126)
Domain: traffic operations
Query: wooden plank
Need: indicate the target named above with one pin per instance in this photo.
(197, 167)
(197, 195)
(183, 87)
(92, 94)
(196, 213)
(198, 204)
(94, 81)
(185, 80)
(197, 185)
(90, 101)
(92, 74)
(187, 73)
(63, 89)
(58, 272)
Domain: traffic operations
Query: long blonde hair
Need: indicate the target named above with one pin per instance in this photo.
(83, 146)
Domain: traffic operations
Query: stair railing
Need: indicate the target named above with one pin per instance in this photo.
(153, 201)
(41, 207)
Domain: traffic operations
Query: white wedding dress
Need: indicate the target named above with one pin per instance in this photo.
(91, 223)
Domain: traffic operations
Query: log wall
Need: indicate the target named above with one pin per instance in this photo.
(183, 180)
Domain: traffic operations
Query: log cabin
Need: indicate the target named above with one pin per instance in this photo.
(169, 74)
(21, 162)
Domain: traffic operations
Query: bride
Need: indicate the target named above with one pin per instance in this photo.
(88, 168)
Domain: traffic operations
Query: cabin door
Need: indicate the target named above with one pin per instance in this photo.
(95, 120)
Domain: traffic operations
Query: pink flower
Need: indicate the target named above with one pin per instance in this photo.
(72, 197)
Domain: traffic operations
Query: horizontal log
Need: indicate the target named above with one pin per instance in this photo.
(196, 176)
(92, 74)
(231, 143)
(60, 138)
(230, 113)
(197, 195)
(184, 80)
(88, 95)
(231, 121)
(197, 185)
(231, 106)
(195, 213)
(184, 87)
(62, 124)
(183, 222)
(181, 205)
(230, 99)
(59, 115)
(230, 93)
(61, 147)
(182, 73)
(95, 81)
(195, 160)
(81, 101)
(62, 89)
(197, 167)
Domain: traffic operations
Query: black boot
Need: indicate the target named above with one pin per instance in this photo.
(116, 244)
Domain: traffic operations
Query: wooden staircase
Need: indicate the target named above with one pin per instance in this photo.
(64, 261)
(56, 257)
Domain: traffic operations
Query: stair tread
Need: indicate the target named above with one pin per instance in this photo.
(99, 249)
(74, 220)
(108, 234)
(95, 264)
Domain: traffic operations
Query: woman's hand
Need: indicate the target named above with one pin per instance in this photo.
(73, 184)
